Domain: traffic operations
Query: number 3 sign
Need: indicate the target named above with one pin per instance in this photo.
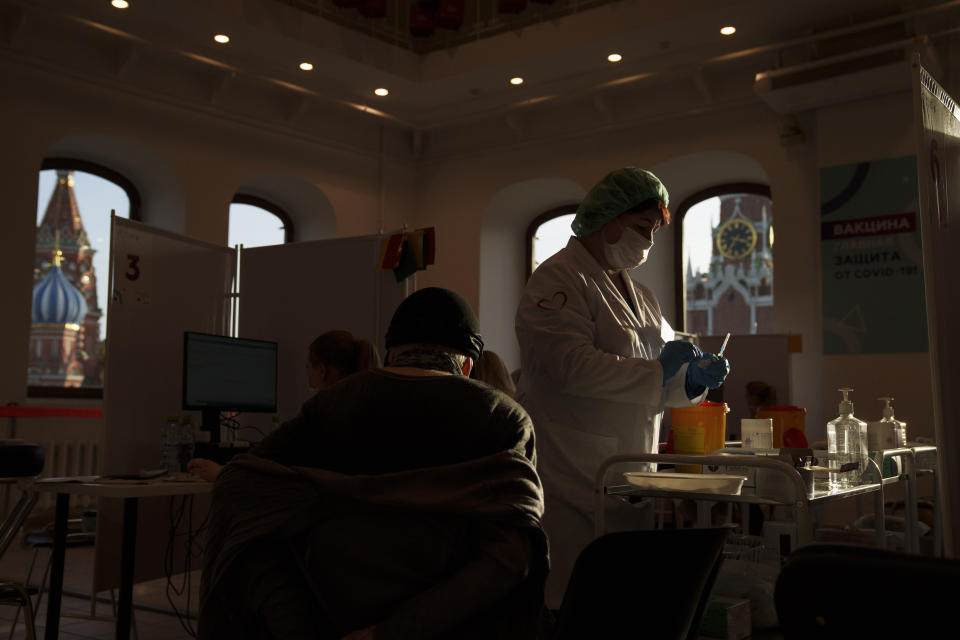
(134, 257)
(133, 266)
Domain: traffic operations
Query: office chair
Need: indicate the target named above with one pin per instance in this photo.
(43, 539)
(20, 462)
(844, 591)
(654, 582)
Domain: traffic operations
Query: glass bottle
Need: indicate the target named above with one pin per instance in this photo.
(187, 442)
(169, 438)
(899, 427)
(846, 444)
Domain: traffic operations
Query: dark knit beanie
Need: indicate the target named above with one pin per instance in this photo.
(439, 317)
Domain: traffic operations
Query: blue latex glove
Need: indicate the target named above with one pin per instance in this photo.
(708, 372)
(675, 354)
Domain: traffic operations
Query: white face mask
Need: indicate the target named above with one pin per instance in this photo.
(629, 251)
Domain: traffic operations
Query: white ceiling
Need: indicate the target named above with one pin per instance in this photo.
(166, 47)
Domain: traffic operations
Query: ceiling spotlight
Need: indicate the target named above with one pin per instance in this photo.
(221, 38)
(120, 4)
(516, 81)
(381, 92)
(306, 66)
(614, 57)
(728, 31)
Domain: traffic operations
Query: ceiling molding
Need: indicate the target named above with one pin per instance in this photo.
(695, 81)
(624, 125)
(217, 113)
(413, 114)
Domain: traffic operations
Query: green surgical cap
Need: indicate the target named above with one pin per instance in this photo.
(620, 191)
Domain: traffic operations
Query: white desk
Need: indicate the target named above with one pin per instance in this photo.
(131, 494)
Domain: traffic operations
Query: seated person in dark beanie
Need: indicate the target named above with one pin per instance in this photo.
(400, 503)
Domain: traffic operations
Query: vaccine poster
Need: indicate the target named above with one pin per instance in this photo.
(872, 258)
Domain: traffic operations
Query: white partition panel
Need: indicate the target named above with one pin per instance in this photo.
(938, 154)
(162, 285)
(292, 293)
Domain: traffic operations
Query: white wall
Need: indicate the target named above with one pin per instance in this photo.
(689, 154)
(189, 164)
(186, 164)
(309, 208)
(503, 252)
(720, 147)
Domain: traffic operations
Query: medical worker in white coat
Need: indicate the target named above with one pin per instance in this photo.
(599, 363)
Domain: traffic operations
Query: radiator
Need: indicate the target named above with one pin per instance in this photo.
(69, 458)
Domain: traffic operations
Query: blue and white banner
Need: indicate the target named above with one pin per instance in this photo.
(872, 258)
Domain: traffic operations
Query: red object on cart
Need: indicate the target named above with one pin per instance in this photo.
(794, 439)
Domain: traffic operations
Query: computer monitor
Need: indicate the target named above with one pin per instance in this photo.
(228, 374)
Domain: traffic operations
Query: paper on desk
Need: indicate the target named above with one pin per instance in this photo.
(143, 474)
(180, 477)
(72, 479)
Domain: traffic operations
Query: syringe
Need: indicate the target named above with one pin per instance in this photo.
(703, 364)
(724, 345)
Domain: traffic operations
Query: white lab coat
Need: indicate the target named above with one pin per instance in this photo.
(594, 388)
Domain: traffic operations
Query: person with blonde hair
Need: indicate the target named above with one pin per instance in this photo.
(492, 370)
(335, 355)
(332, 356)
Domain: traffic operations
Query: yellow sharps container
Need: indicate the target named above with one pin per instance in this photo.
(698, 430)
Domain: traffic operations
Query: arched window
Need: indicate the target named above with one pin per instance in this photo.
(255, 222)
(547, 234)
(68, 320)
(725, 280)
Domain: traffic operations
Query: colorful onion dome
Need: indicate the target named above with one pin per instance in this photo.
(56, 301)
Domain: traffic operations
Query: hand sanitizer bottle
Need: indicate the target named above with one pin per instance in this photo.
(846, 444)
(900, 428)
(169, 438)
(187, 443)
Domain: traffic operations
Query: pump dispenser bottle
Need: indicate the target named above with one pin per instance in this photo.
(846, 443)
(900, 428)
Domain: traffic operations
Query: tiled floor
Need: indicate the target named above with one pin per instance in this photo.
(155, 618)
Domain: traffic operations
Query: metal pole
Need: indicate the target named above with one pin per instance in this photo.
(910, 512)
(56, 566)
(127, 557)
(879, 517)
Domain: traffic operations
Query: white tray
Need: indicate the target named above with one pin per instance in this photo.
(693, 482)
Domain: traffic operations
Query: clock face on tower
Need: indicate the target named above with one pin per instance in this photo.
(736, 238)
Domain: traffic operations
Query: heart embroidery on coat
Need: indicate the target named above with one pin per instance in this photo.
(557, 302)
